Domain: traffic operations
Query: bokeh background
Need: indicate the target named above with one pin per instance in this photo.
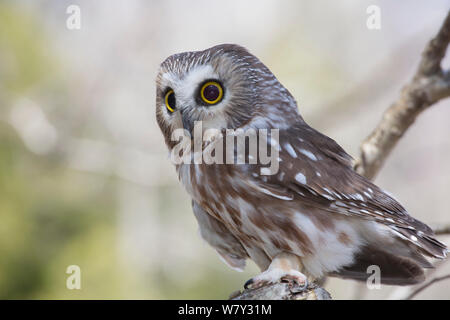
(84, 174)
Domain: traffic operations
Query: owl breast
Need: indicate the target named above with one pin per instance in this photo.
(267, 225)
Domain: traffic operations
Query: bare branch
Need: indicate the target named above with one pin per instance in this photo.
(429, 85)
(402, 293)
(282, 291)
(441, 229)
(426, 285)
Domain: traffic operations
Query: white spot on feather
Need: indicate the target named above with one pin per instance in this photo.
(337, 195)
(342, 204)
(309, 154)
(290, 150)
(300, 177)
(367, 195)
(279, 196)
(327, 197)
(357, 196)
(273, 142)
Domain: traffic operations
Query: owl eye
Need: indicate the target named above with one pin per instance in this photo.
(211, 92)
(170, 101)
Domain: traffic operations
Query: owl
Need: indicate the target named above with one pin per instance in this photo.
(314, 216)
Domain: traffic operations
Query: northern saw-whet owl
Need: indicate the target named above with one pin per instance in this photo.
(315, 216)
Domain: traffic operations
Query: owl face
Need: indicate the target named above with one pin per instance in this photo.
(223, 87)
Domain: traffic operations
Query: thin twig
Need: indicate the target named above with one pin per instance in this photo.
(442, 229)
(401, 293)
(429, 85)
(426, 285)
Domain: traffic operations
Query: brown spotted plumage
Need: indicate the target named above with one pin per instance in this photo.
(315, 216)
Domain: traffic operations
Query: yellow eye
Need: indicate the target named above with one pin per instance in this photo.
(211, 92)
(170, 101)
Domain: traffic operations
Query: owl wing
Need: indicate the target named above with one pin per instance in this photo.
(317, 170)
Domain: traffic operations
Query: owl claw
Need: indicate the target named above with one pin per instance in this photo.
(297, 281)
(248, 283)
(296, 284)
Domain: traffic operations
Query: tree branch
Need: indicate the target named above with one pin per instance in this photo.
(429, 85)
(403, 293)
(442, 229)
(426, 285)
(282, 291)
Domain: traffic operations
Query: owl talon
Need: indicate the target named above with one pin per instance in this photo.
(252, 284)
(295, 279)
(248, 283)
(296, 284)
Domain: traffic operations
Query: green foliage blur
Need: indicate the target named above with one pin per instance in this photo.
(52, 216)
(45, 210)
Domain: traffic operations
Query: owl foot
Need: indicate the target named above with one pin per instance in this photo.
(296, 280)
(283, 268)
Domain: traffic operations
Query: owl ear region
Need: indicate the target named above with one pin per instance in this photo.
(227, 146)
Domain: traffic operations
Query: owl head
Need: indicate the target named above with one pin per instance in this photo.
(223, 87)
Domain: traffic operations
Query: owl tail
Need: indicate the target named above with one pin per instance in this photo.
(393, 269)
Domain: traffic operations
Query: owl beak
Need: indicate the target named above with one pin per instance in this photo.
(187, 124)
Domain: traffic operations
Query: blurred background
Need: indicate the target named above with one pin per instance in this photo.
(84, 173)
